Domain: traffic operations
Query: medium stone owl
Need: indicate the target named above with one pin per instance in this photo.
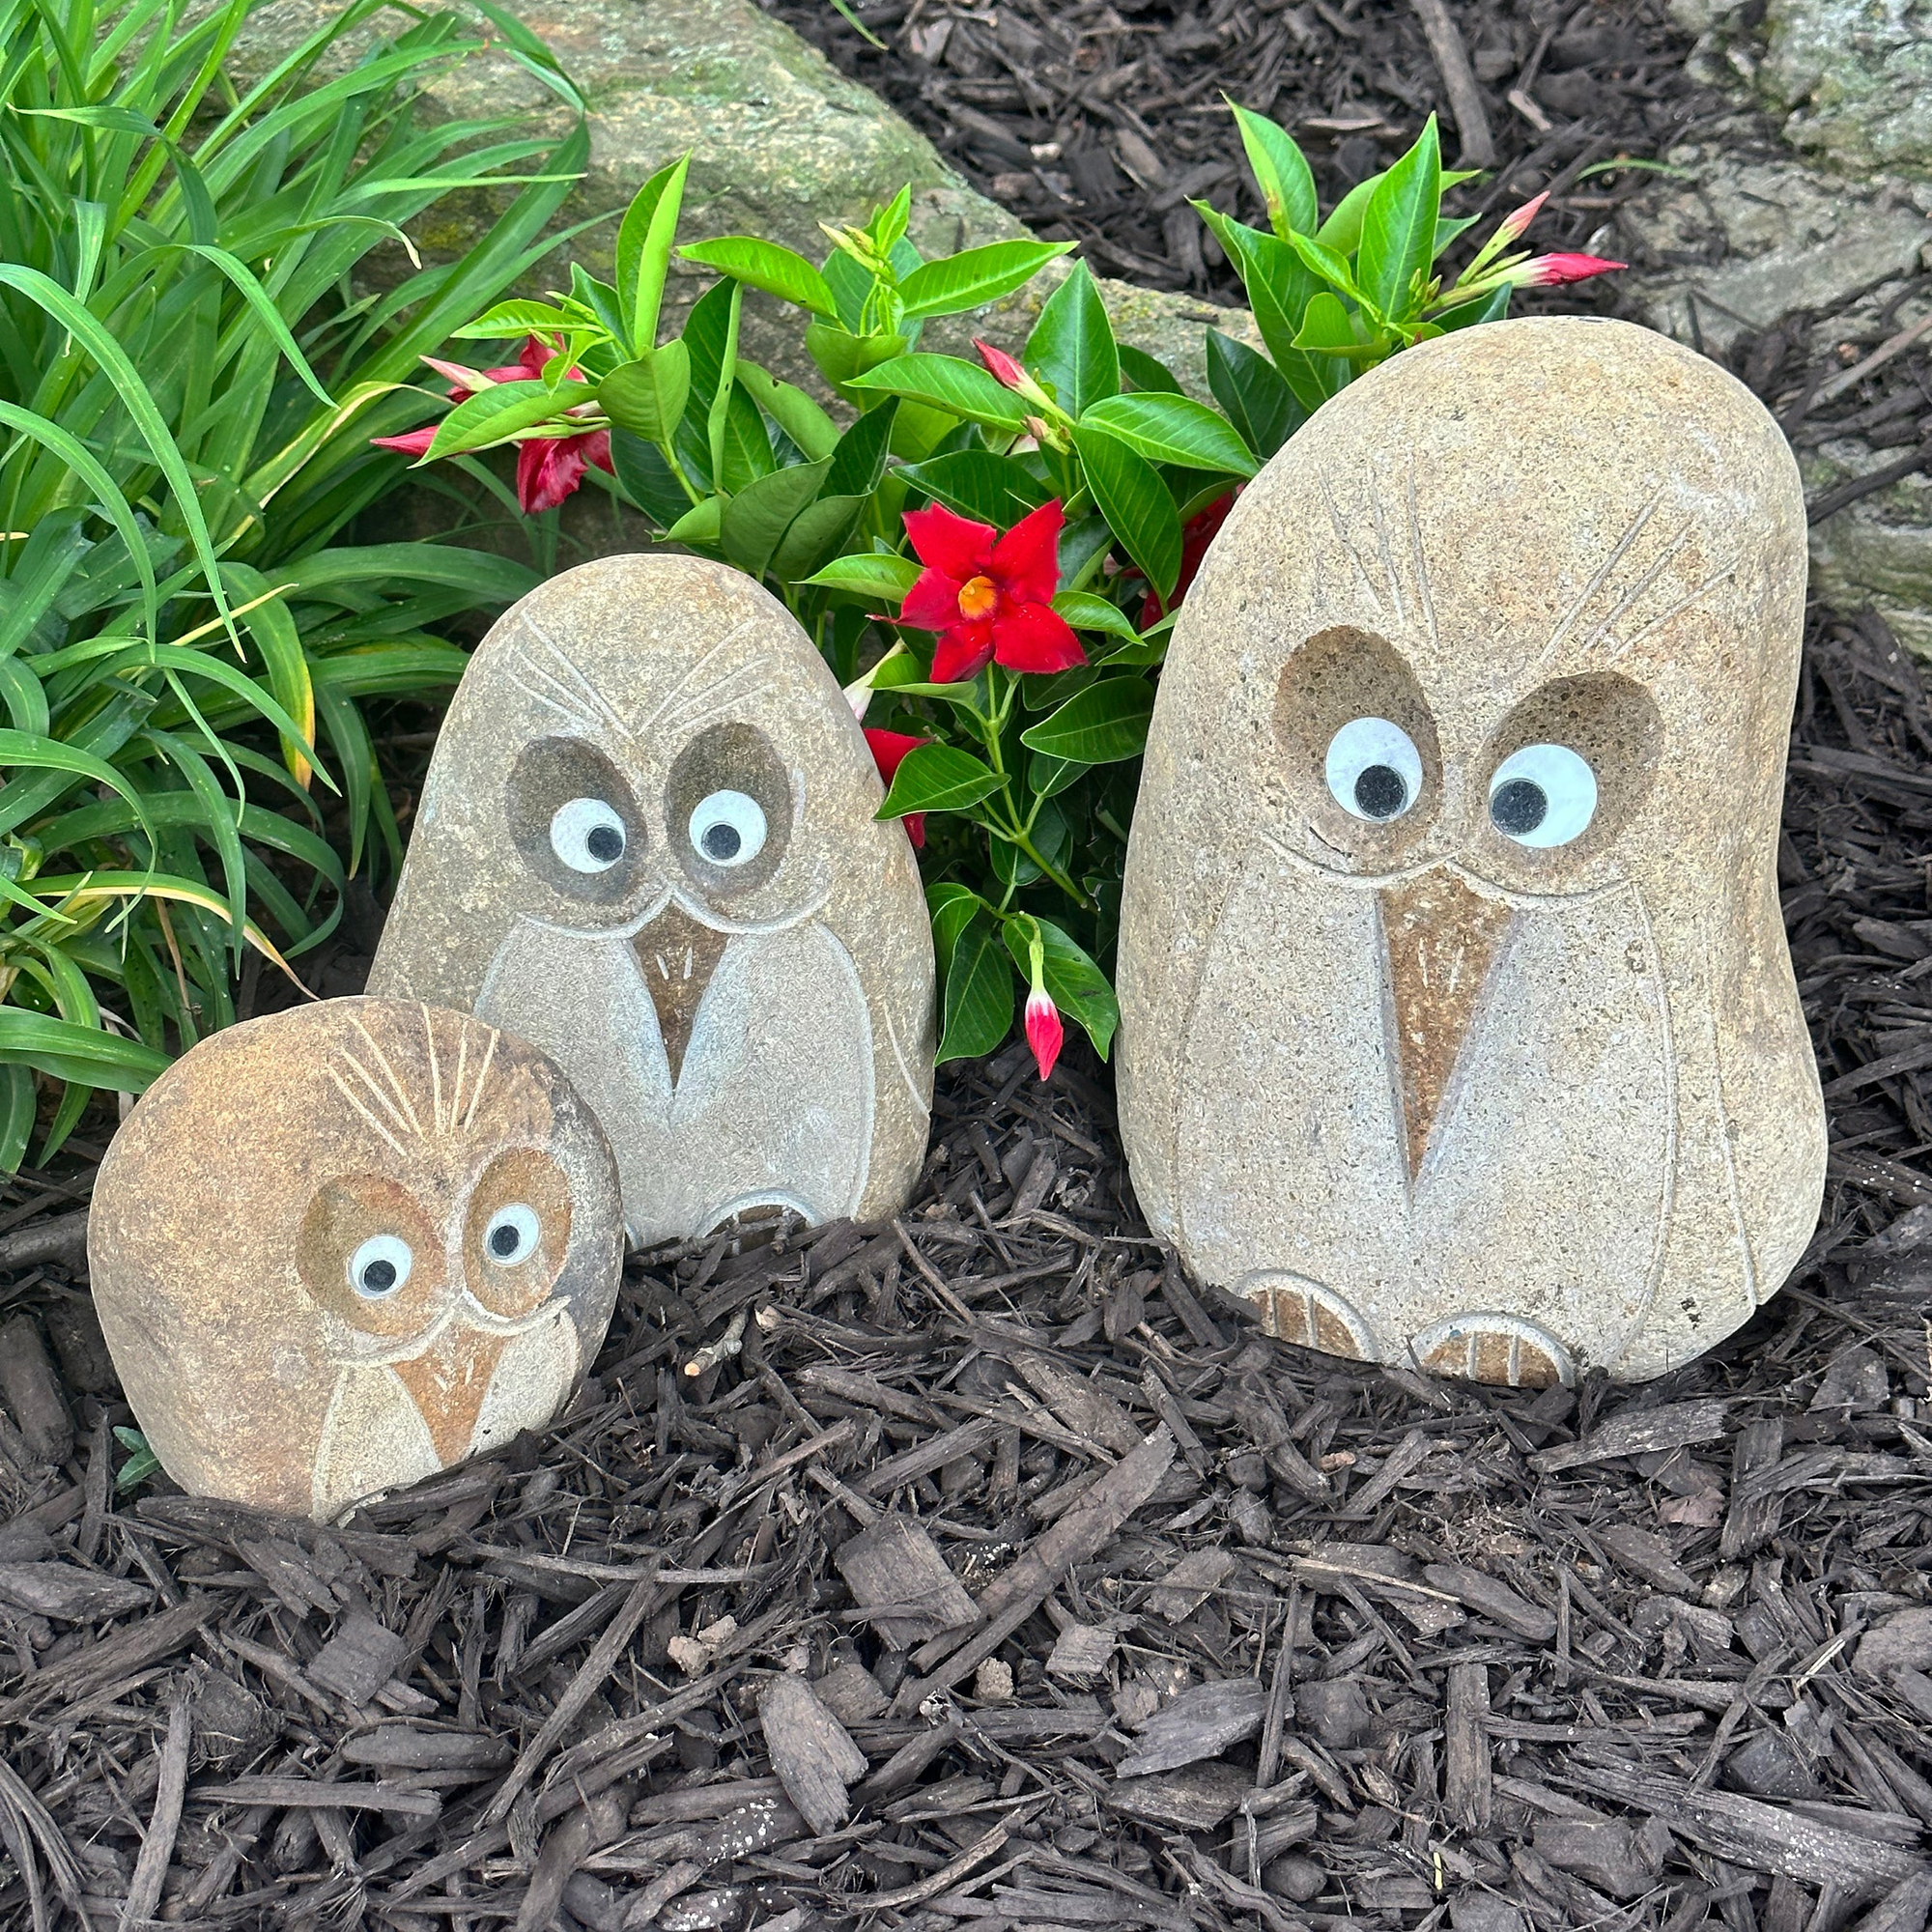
(340, 1248)
(646, 843)
(1458, 1024)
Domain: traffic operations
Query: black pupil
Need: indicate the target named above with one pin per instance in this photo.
(606, 842)
(503, 1240)
(378, 1278)
(1379, 791)
(722, 841)
(1520, 806)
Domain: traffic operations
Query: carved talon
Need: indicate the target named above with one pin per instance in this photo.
(1504, 1350)
(1301, 1311)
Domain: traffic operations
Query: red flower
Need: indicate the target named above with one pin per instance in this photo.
(990, 597)
(1551, 271)
(549, 467)
(1512, 225)
(889, 750)
(1044, 1033)
(1196, 534)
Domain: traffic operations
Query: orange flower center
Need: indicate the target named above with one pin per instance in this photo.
(978, 597)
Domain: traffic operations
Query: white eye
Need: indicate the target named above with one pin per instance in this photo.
(511, 1236)
(1543, 795)
(727, 829)
(380, 1267)
(586, 835)
(1373, 769)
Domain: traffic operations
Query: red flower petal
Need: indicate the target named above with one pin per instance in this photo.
(915, 825)
(950, 542)
(416, 443)
(1025, 560)
(548, 470)
(532, 356)
(1033, 636)
(1002, 367)
(1044, 1033)
(933, 603)
(464, 381)
(597, 450)
(962, 652)
(1195, 536)
(1551, 272)
(889, 749)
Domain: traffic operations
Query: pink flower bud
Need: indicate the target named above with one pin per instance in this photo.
(1044, 1033)
(1514, 225)
(1004, 370)
(1551, 271)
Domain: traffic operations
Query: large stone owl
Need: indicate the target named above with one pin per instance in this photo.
(1457, 1025)
(340, 1248)
(646, 843)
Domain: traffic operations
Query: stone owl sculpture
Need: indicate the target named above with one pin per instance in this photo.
(338, 1249)
(1458, 1024)
(646, 843)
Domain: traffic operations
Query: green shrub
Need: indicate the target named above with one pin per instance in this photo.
(187, 388)
(989, 714)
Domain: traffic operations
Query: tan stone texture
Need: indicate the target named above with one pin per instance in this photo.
(340, 1248)
(752, 1026)
(1423, 1090)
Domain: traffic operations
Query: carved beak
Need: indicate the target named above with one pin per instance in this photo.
(448, 1382)
(677, 957)
(1439, 940)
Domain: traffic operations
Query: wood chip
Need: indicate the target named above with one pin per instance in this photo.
(811, 1753)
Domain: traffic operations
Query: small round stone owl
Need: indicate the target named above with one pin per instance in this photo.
(340, 1248)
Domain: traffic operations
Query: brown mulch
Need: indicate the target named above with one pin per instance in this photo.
(975, 1572)
(1097, 120)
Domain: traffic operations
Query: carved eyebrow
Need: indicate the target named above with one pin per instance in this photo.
(673, 702)
(556, 681)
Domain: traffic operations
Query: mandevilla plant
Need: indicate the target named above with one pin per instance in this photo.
(989, 553)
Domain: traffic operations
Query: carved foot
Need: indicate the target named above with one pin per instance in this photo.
(1500, 1348)
(1303, 1311)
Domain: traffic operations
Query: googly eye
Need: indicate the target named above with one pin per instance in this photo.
(1543, 795)
(727, 829)
(380, 1267)
(511, 1236)
(586, 835)
(1373, 769)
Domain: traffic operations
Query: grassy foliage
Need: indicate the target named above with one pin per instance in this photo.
(188, 386)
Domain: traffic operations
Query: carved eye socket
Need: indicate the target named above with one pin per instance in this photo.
(512, 1235)
(1373, 769)
(1543, 795)
(380, 1267)
(728, 828)
(587, 835)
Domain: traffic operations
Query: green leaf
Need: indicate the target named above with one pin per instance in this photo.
(1135, 504)
(644, 251)
(963, 389)
(1343, 230)
(1172, 429)
(1327, 329)
(938, 778)
(859, 458)
(701, 524)
(1253, 392)
(647, 396)
(759, 515)
(810, 428)
(504, 410)
(1100, 726)
(979, 1011)
(1281, 172)
(765, 265)
(1327, 265)
(512, 319)
(814, 535)
(996, 490)
(975, 277)
(1071, 348)
(1147, 373)
(1087, 612)
(1399, 228)
(1048, 778)
(842, 357)
(1279, 285)
(1491, 307)
(875, 576)
(1075, 984)
(950, 906)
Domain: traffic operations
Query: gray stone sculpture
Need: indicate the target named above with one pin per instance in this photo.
(646, 843)
(1458, 1024)
(338, 1249)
